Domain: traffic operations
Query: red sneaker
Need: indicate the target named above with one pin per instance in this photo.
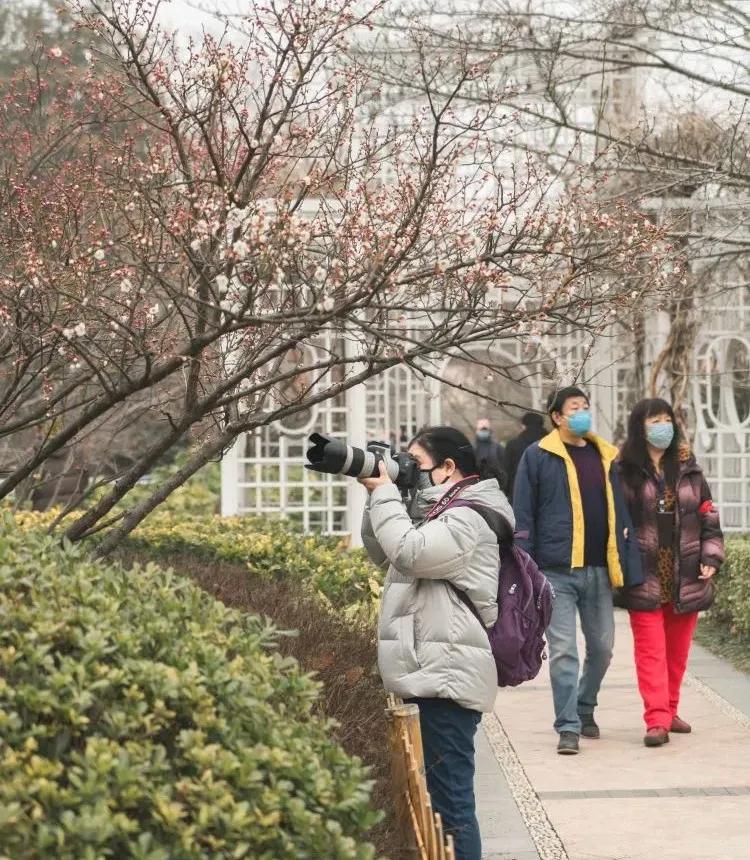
(656, 737)
(680, 727)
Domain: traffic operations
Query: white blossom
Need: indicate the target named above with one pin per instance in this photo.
(99, 254)
(235, 217)
(240, 249)
(222, 284)
(56, 53)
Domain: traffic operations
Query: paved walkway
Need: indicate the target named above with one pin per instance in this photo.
(618, 800)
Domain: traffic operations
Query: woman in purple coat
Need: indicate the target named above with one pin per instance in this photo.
(681, 546)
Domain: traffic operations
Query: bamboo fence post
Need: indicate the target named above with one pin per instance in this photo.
(450, 851)
(397, 734)
(417, 790)
(414, 728)
(419, 826)
(431, 840)
(440, 838)
(421, 849)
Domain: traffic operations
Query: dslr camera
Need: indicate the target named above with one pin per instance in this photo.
(335, 457)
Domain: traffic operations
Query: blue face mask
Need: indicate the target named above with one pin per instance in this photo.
(660, 435)
(579, 423)
(483, 435)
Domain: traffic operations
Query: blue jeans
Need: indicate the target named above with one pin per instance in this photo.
(448, 741)
(587, 591)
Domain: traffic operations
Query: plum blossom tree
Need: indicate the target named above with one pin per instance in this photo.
(653, 93)
(183, 218)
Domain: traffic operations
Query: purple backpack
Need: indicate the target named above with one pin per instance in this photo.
(524, 598)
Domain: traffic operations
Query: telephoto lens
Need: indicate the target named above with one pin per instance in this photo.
(335, 457)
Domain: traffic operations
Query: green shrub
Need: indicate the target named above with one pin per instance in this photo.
(140, 718)
(732, 606)
(269, 548)
(187, 522)
(199, 495)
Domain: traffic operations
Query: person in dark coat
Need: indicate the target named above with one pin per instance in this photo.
(490, 454)
(533, 431)
(681, 546)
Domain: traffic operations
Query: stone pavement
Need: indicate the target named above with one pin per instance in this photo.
(618, 800)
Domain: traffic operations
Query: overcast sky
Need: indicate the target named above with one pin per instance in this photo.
(183, 14)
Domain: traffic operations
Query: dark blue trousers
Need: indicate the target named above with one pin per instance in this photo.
(448, 740)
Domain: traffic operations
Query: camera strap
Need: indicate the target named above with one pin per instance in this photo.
(449, 496)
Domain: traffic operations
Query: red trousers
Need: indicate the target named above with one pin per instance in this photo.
(662, 641)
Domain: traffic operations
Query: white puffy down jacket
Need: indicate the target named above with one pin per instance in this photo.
(429, 642)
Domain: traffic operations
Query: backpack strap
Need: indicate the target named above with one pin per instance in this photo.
(494, 519)
(503, 532)
(466, 600)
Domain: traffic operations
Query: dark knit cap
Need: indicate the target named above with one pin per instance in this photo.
(556, 400)
(532, 419)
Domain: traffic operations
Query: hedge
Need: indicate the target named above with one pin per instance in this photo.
(270, 548)
(732, 606)
(141, 718)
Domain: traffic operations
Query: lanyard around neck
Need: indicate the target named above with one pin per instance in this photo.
(442, 503)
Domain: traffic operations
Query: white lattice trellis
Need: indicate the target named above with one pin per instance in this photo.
(264, 472)
(721, 400)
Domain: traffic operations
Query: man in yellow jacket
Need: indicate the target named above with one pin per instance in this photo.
(572, 520)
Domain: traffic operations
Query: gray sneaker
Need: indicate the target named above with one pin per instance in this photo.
(589, 728)
(568, 743)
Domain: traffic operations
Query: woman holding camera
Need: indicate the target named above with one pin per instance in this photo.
(442, 563)
(681, 546)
